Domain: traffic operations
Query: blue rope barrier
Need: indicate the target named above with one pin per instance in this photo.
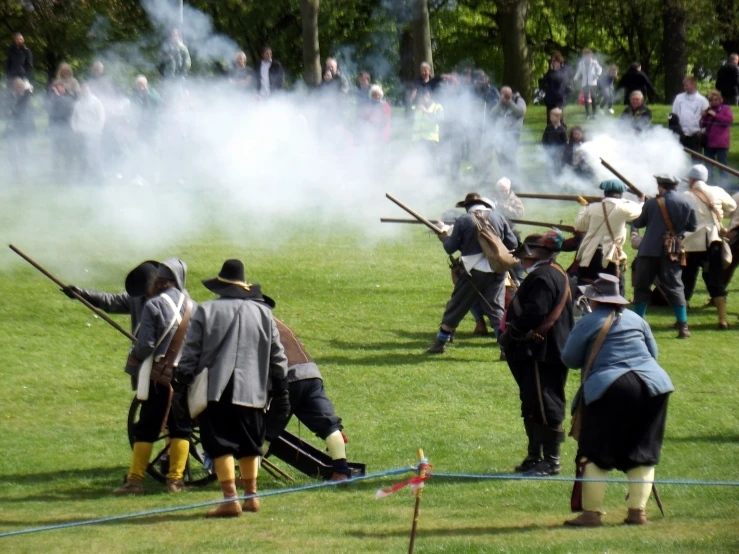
(158, 511)
(513, 477)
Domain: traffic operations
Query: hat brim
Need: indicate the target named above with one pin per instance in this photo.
(140, 278)
(591, 294)
(234, 291)
(465, 204)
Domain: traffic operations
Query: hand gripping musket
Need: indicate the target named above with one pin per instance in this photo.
(97, 312)
(628, 183)
(416, 215)
(714, 163)
(567, 197)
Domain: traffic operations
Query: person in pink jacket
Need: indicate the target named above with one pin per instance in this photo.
(716, 126)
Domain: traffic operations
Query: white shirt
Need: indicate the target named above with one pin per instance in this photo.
(689, 108)
(88, 116)
(735, 216)
(590, 220)
(707, 231)
(264, 81)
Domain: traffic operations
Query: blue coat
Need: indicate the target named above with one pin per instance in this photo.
(629, 346)
(682, 215)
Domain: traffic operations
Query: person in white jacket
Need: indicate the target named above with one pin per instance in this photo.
(689, 107)
(703, 246)
(88, 120)
(586, 77)
(604, 225)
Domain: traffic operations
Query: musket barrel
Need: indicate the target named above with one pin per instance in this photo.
(97, 312)
(721, 166)
(568, 197)
(568, 228)
(628, 183)
(418, 216)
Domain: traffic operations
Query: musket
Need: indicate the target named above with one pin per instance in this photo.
(418, 216)
(410, 221)
(721, 166)
(560, 226)
(569, 197)
(628, 183)
(97, 312)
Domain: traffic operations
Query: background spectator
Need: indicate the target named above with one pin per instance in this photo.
(88, 120)
(573, 155)
(716, 126)
(555, 139)
(636, 113)
(19, 64)
(174, 60)
(635, 79)
(60, 105)
(66, 76)
(20, 125)
(271, 76)
(241, 76)
(507, 119)
(339, 81)
(689, 107)
(376, 114)
(586, 77)
(606, 85)
(727, 80)
(423, 82)
(555, 86)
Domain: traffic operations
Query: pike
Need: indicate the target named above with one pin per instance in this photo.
(714, 163)
(628, 183)
(97, 312)
(568, 197)
(560, 226)
(416, 215)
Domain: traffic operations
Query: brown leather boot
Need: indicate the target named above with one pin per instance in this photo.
(175, 485)
(585, 519)
(130, 487)
(227, 509)
(250, 504)
(636, 516)
(480, 328)
(682, 330)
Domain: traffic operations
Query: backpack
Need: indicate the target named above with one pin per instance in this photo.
(497, 254)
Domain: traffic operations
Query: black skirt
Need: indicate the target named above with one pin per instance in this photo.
(228, 429)
(624, 428)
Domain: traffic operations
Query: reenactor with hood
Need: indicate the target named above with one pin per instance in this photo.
(538, 322)
(158, 328)
(235, 339)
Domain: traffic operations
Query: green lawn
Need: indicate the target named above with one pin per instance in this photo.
(366, 313)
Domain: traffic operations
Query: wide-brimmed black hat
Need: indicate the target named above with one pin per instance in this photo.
(141, 278)
(232, 284)
(605, 289)
(473, 198)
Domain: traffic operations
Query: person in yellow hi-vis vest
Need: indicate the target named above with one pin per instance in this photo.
(427, 115)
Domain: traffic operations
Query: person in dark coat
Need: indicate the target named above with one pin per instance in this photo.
(635, 79)
(555, 139)
(478, 281)
(270, 75)
(20, 60)
(727, 80)
(538, 323)
(236, 338)
(555, 85)
(624, 401)
(652, 260)
(20, 126)
(60, 105)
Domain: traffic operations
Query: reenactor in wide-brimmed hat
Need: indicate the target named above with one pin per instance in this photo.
(538, 322)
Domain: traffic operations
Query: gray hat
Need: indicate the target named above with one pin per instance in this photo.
(605, 289)
(665, 179)
(174, 270)
(698, 172)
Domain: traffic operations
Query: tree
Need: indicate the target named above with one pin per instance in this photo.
(674, 46)
(511, 18)
(422, 34)
(311, 51)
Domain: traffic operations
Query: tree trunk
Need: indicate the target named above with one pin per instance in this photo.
(422, 35)
(674, 46)
(511, 18)
(311, 50)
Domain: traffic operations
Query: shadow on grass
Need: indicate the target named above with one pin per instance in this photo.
(454, 531)
(707, 438)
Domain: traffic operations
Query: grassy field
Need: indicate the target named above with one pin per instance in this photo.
(366, 314)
